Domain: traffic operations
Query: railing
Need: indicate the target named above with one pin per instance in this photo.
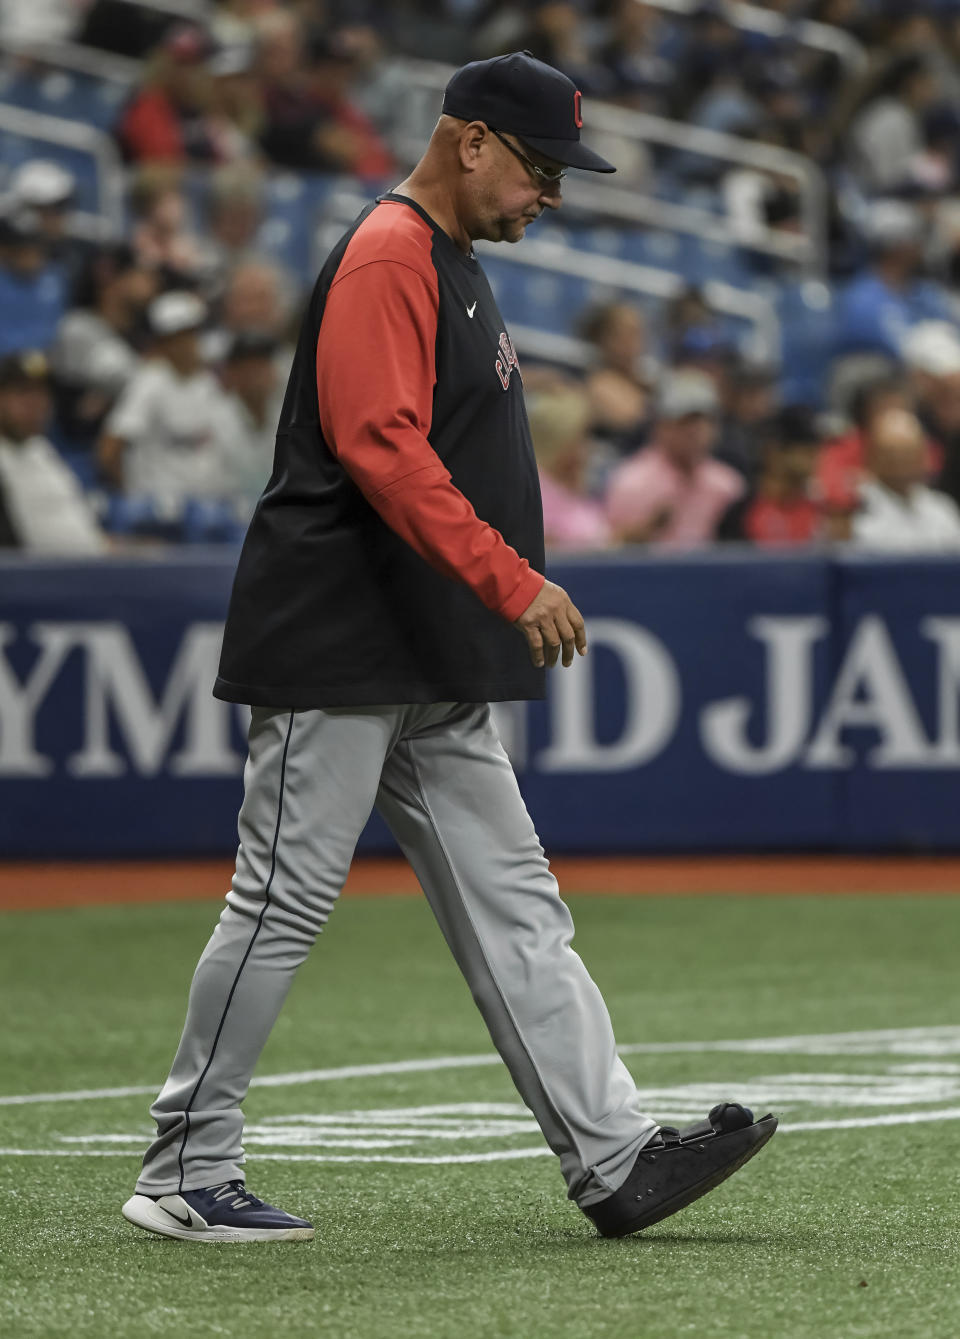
(74, 135)
(549, 347)
(720, 297)
(428, 78)
(806, 32)
(77, 58)
(559, 258)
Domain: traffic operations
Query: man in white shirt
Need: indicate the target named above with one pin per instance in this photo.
(897, 509)
(255, 391)
(42, 506)
(164, 438)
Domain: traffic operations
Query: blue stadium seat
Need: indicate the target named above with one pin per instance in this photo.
(77, 97)
(138, 516)
(209, 521)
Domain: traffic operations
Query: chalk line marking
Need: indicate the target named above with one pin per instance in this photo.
(498, 1155)
(939, 1041)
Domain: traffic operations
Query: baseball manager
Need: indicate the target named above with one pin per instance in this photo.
(390, 587)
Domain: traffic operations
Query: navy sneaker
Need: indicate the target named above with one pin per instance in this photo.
(227, 1212)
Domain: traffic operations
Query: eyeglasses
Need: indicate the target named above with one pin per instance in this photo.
(542, 174)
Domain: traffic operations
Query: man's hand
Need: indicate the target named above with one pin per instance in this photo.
(551, 623)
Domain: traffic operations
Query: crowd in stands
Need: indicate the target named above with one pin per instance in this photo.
(140, 379)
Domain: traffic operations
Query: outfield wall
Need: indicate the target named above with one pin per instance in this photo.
(729, 702)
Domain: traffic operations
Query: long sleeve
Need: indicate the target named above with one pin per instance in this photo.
(375, 381)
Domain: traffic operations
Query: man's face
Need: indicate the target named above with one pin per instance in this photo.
(181, 350)
(25, 258)
(798, 462)
(24, 410)
(897, 451)
(135, 288)
(687, 440)
(507, 193)
(252, 300)
(53, 222)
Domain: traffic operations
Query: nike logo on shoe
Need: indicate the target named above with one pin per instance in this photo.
(471, 310)
(184, 1223)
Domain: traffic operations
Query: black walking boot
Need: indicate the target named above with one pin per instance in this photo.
(678, 1166)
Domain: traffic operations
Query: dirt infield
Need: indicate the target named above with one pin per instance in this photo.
(38, 886)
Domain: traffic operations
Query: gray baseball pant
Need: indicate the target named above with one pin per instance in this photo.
(439, 776)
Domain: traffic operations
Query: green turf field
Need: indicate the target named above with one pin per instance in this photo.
(847, 1226)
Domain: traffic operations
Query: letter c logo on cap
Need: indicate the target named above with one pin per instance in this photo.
(578, 119)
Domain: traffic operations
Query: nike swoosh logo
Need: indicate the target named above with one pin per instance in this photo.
(471, 310)
(184, 1222)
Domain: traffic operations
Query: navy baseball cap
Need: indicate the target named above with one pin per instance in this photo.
(522, 96)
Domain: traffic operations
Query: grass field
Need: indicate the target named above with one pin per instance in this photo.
(847, 1226)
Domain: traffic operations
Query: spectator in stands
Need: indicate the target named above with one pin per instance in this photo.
(350, 143)
(709, 88)
(380, 82)
(48, 190)
(687, 311)
(169, 117)
(897, 509)
(97, 345)
(309, 121)
(559, 35)
(162, 236)
(877, 308)
(775, 82)
(618, 383)
(233, 22)
(236, 101)
(641, 74)
(842, 462)
(254, 397)
(42, 506)
(749, 400)
(559, 425)
(781, 511)
(671, 492)
(257, 299)
(164, 437)
(234, 215)
(32, 288)
(888, 135)
(932, 353)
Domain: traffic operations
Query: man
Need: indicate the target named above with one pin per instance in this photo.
(33, 294)
(164, 438)
(397, 542)
(254, 399)
(897, 510)
(879, 307)
(96, 351)
(42, 506)
(782, 511)
(672, 492)
(932, 354)
(49, 191)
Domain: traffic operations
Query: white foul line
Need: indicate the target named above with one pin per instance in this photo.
(498, 1155)
(274, 1080)
(943, 1040)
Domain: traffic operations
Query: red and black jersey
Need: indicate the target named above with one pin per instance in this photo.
(401, 531)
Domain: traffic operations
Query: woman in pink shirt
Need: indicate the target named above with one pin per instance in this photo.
(672, 492)
(559, 417)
